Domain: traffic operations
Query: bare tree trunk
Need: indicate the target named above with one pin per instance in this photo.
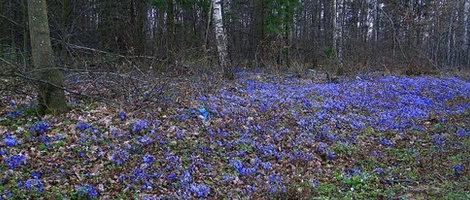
(335, 24)
(171, 46)
(328, 24)
(467, 31)
(259, 34)
(229, 28)
(372, 21)
(51, 97)
(221, 40)
(315, 31)
(64, 24)
(338, 32)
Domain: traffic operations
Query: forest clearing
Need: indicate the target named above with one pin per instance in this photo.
(234, 99)
(260, 136)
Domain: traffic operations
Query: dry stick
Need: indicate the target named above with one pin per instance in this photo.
(104, 73)
(206, 39)
(105, 52)
(106, 100)
(401, 181)
(141, 102)
(10, 20)
(8, 63)
(395, 35)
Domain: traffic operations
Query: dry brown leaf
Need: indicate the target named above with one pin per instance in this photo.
(95, 170)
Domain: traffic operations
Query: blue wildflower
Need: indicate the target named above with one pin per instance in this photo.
(272, 190)
(121, 177)
(203, 112)
(148, 158)
(14, 161)
(139, 174)
(199, 190)
(120, 156)
(40, 127)
(227, 178)
(438, 139)
(148, 185)
(14, 115)
(266, 165)
(386, 142)
(146, 140)
(238, 165)
(92, 191)
(35, 175)
(331, 156)
(28, 183)
(82, 126)
(458, 168)
(250, 189)
(10, 141)
(8, 194)
(314, 183)
(354, 171)
(247, 171)
(418, 128)
(461, 133)
(170, 176)
(203, 98)
(87, 189)
(139, 126)
(11, 115)
(122, 116)
(275, 178)
(379, 170)
(275, 183)
(36, 183)
(185, 177)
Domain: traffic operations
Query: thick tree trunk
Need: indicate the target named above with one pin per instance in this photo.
(221, 40)
(51, 97)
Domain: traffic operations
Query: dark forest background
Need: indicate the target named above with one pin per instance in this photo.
(414, 36)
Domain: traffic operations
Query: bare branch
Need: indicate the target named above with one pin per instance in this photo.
(10, 20)
(106, 100)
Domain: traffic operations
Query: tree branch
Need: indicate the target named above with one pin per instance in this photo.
(10, 20)
(106, 100)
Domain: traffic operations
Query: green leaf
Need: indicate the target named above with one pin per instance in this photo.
(208, 182)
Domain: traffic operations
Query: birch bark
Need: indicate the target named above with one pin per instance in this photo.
(338, 32)
(221, 39)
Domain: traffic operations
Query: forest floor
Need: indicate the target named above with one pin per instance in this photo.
(261, 136)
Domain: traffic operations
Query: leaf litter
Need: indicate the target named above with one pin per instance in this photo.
(258, 137)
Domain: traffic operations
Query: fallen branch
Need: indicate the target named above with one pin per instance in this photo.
(74, 46)
(401, 181)
(106, 100)
(7, 71)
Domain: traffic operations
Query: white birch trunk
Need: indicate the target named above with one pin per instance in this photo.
(372, 14)
(338, 30)
(221, 38)
(335, 25)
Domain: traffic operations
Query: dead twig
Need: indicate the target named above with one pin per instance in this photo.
(106, 100)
